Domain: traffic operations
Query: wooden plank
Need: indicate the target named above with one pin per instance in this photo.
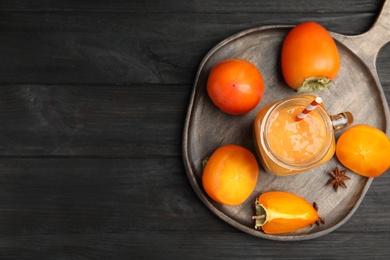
(78, 120)
(383, 65)
(106, 195)
(204, 6)
(145, 120)
(163, 244)
(93, 95)
(118, 48)
(64, 195)
(383, 69)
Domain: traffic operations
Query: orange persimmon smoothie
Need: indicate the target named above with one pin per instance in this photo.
(287, 146)
(296, 141)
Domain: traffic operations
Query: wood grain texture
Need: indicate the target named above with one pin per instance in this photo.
(93, 97)
(207, 128)
(94, 206)
(97, 195)
(78, 120)
(191, 245)
(119, 48)
(204, 6)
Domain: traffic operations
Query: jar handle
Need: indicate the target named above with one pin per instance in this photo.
(341, 120)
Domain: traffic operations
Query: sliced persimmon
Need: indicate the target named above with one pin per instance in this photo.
(365, 150)
(279, 212)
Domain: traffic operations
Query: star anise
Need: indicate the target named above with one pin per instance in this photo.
(338, 178)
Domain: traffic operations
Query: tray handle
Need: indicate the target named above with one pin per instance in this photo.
(368, 44)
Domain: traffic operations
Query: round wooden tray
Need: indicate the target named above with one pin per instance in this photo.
(356, 89)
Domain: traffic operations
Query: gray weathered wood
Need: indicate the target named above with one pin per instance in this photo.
(200, 6)
(93, 97)
(95, 120)
(356, 89)
(122, 207)
(121, 48)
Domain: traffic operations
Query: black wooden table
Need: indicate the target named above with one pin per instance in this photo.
(93, 99)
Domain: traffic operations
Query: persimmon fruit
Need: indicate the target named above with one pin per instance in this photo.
(230, 174)
(310, 58)
(279, 212)
(235, 86)
(365, 150)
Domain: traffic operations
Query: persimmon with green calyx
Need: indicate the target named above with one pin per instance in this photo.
(310, 58)
(365, 150)
(235, 86)
(279, 212)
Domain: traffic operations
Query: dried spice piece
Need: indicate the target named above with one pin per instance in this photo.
(338, 178)
(320, 219)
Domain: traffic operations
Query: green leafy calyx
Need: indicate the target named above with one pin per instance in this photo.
(314, 84)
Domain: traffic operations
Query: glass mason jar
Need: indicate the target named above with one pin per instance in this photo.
(286, 146)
